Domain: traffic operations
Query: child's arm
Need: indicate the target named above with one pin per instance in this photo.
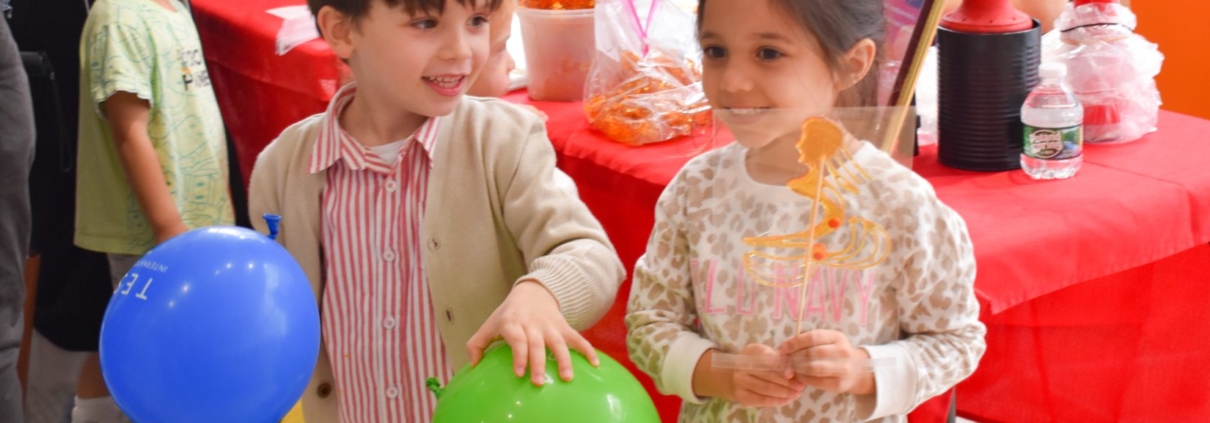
(661, 318)
(661, 312)
(128, 116)
(574, 273)
(119, 86)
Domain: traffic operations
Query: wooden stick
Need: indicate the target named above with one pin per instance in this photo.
(901, 97)
(806, 273)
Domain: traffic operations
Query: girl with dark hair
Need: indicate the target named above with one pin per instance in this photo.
(876, 315)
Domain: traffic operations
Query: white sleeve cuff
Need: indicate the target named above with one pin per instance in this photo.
(895, 383)
(682, 358)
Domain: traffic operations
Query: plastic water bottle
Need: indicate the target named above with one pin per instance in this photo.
(1053, 120)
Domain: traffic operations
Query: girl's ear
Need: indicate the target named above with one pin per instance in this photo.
(337, 29)
(856, 62)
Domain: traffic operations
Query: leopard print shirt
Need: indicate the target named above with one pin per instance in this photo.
(916, 310)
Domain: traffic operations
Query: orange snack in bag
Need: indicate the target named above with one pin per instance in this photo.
(658, 99)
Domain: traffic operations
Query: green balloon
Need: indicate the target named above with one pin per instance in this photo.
(491, 392)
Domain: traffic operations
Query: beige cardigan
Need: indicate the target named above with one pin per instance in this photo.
(494, 216)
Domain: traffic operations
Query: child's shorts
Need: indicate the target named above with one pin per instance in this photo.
(119, 264)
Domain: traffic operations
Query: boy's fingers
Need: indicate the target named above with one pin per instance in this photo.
(476, 355)
(476, 345)
(517, 340)
(537, 357)
(562, 356)
(581, 344)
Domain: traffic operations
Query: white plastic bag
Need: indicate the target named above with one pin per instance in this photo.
(1110, 68)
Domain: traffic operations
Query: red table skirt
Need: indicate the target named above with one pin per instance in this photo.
(1129, 347)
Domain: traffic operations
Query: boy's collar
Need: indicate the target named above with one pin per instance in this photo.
(328, 148)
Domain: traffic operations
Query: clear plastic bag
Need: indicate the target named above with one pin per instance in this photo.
(1110, 68)
(645, 82)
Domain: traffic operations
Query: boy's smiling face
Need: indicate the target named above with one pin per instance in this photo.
(420, 63)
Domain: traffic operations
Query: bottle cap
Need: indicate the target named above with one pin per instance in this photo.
(1051, 70)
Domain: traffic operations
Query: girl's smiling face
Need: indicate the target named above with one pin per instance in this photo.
(762, 72)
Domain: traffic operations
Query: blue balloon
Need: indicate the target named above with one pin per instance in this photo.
(218, 324)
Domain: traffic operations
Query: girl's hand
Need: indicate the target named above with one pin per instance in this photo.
(765, 388)
(835, 365)
(529, 321)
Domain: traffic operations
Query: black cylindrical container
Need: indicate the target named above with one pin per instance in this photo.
(983, 81)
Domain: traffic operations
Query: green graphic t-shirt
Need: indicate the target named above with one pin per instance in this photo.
(140, 47)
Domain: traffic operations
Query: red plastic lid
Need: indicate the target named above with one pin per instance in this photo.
(1084, 2)
(987, 17)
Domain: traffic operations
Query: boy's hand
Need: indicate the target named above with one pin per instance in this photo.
(166, 233)
(835, 365)
(762, 388)
(529, 321)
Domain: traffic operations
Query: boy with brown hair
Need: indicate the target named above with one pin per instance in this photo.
(429, 223)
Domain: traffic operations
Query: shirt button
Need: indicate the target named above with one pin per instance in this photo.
(392, 392)
(391, 186)
(389, 323)
(388, 255)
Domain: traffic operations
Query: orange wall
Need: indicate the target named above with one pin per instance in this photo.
(1182, 30)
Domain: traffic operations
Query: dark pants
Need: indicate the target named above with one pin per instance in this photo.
(16, 157)
(73, 284)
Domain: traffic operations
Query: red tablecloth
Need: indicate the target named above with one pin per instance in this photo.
(1130, 205)
(1092, 287)
(261, 93)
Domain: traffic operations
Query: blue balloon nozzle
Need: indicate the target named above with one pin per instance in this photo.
(272, 220)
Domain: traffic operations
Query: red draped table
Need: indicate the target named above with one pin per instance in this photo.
(1093, 289)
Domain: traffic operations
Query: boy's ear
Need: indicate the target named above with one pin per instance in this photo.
(857, 61)
(337, 29)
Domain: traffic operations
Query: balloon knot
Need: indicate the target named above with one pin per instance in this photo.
(434, 386)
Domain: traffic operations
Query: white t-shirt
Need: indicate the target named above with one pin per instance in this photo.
(389, 153)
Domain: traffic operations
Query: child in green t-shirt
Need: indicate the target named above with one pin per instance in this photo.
(152, 149)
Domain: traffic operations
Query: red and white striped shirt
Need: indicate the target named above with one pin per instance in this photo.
(378, 321)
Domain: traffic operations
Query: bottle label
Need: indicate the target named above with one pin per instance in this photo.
(1054, 143)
